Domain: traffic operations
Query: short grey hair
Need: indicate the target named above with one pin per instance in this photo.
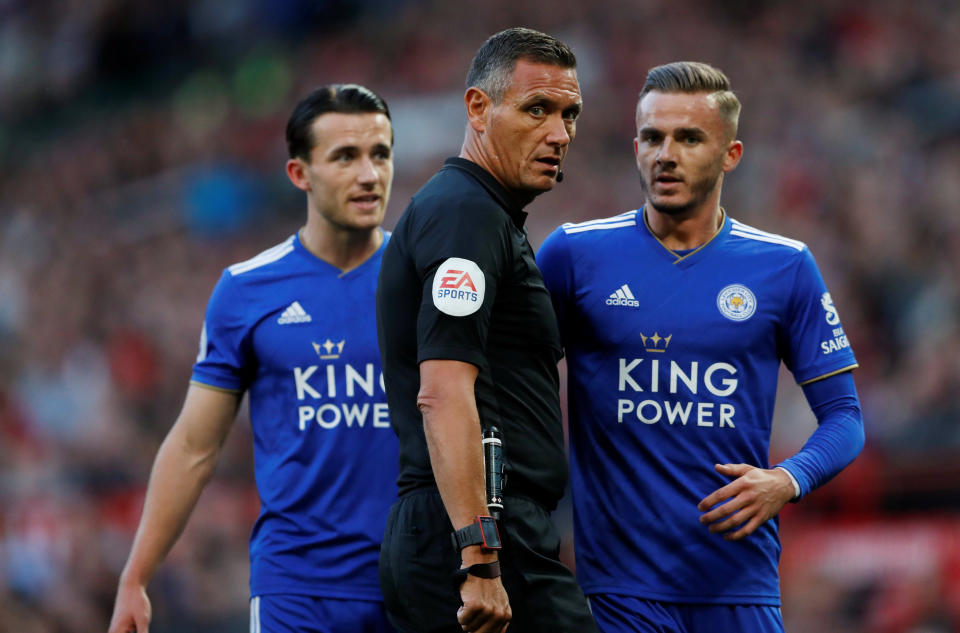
(493, 65)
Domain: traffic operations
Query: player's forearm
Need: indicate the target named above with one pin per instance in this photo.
(839, 436)
(176, 481)
(836, 442)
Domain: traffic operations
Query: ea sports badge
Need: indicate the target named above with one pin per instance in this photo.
(736, 302)
(458, 287)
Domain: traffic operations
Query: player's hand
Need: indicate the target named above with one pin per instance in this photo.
(132, 610)
(755, 496)
(486, 608)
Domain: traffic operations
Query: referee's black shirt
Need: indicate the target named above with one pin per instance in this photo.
(459, 282)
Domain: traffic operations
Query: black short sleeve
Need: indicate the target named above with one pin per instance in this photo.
(454, 246)
(459, 282)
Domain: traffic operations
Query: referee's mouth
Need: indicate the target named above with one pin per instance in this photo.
(550, 161)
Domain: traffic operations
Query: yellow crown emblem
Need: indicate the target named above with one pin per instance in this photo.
(655, 342)
(326, 349)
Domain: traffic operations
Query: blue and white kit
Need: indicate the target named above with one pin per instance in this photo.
(673, 361)
(300, 335)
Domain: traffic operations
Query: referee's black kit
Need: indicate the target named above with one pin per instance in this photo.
(459, 282)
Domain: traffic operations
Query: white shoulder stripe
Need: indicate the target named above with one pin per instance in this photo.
(746, 228)
(616, 218)
(598, 227)
(270, 255)
(772, 239)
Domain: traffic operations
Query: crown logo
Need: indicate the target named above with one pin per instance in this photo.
(326, 349)
(655, 342)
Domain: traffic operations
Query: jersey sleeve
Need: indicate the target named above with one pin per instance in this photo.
(462, 254)
(816, 345)
(224, 345)
(555, 263)
(838, 438)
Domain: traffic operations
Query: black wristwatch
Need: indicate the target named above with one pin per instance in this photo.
(482, 532)
(480, 570)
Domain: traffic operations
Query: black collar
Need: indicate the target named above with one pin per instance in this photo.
(500, 193)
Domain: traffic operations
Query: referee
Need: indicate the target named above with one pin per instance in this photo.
(469, 341)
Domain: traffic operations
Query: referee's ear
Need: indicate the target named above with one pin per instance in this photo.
(478, 108)
(296, 172)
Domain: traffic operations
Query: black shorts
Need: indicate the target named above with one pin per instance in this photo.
(417, 562)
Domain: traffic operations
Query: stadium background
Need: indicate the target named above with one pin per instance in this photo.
(141, 152)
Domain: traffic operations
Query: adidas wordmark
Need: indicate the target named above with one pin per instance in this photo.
(623, 297)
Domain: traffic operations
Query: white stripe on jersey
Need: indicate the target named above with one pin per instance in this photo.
(255, 614)
(202, 352)
(743, 230)
(626, 291)
(617, 221)
(270, 255)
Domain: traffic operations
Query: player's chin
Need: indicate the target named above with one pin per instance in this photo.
(367, 221)
(669, 205)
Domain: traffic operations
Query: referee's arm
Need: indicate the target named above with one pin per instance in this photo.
(451, 425)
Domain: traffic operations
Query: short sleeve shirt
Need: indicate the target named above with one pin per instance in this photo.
(298, 335)
(459, 282)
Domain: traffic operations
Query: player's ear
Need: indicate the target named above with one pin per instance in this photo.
(297, 173)
(478, 107)
(732, 158)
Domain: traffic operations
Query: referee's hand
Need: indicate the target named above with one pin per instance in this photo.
(486, 608)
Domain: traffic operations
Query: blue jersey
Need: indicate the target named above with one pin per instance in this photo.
(673, 363)
(301, 337)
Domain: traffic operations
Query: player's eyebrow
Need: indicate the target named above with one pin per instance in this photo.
(343, 149)
(650, 130)
(689, 131)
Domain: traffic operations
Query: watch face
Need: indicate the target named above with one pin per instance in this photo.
(488, 530)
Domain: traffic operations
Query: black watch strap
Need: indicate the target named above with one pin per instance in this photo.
(483, 532)
(480, 570)
(469, 535)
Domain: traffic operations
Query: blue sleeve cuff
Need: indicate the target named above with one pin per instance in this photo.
(839, 437)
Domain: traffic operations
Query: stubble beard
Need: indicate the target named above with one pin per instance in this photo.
(699, 191)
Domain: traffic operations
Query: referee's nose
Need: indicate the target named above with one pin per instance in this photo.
(557, 133)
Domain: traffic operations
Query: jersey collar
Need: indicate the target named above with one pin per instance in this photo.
(498, 191)
(688, 258)
(305, 253)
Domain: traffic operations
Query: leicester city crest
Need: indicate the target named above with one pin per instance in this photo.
(736, 302)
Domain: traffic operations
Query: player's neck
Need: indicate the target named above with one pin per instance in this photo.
(344, 249)
(685, 231)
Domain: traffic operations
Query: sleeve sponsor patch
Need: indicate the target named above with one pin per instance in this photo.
(458, 287)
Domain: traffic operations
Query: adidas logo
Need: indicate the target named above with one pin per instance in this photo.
(294, 314)
(623, 297)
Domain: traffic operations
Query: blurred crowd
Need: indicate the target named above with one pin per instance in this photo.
(141, 146)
